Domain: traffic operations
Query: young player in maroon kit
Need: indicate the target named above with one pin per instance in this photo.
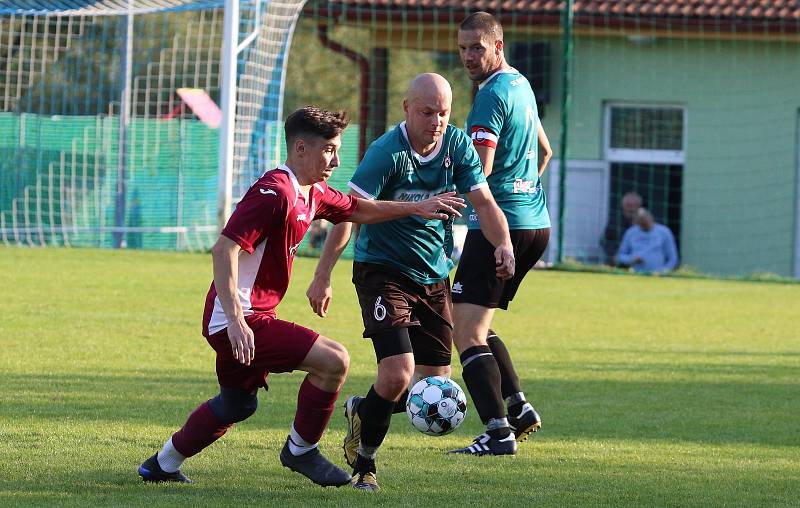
(252, 264)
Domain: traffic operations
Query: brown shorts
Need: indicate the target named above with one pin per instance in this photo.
(280, 347)
(390, 299)
(476, 280)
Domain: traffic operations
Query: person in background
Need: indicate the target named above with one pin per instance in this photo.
(647, 246)
(616, 227)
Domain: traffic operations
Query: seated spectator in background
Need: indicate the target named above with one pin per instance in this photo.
(616, 227)
(647, 246)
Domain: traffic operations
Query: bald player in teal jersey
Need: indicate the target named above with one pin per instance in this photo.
(505, 128)
(401, 270)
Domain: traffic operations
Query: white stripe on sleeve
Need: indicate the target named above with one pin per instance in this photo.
(361, 191)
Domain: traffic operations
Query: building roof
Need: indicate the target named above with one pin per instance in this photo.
(101, 7)
(769, 15)
(739, 18)
(744, 9)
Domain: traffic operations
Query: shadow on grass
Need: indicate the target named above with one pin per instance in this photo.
(705, 411)
(722, 412)
(113, 414)
(754, 372)
(147, 396)
(692, 352)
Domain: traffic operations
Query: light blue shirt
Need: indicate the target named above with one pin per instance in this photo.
(656, 249)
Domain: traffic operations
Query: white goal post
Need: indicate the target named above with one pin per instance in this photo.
(100, 149)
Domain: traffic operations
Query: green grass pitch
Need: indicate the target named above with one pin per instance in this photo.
(653, 392)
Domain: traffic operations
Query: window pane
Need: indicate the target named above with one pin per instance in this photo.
(661, 189)
(647, 128)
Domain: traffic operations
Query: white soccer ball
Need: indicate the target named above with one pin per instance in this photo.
(436, 405)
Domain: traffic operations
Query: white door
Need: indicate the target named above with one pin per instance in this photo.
(586, 209)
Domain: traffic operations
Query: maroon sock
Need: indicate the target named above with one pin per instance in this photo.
(314, 410)
(200, 430)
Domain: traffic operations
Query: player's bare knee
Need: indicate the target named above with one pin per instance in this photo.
(467, 337)
(392, 387)
(327, 362)
(394, 376)
(339, 362)
(335, 361)
(467, 341)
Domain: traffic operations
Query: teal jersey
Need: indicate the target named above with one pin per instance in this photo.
(392, 171)
(504, 116)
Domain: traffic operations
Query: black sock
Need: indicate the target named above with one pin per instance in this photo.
(376, 416)
(509, 380)
(499, 433)
(482, 377)
(400, 405)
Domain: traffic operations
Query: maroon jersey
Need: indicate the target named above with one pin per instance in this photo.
(268, 224)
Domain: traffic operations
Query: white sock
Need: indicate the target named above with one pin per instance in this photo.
(169, 460)
(298, 445)
(368, 452)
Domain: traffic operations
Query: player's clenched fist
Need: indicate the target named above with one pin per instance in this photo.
(319, 295)
(504, 261)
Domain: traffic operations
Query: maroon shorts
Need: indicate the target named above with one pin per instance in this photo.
(280, 347)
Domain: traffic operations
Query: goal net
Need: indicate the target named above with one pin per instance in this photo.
(110, 119)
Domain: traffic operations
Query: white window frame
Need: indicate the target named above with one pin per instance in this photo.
(575, 168)
(636, 155)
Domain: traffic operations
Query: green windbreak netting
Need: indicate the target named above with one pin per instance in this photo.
(111, 122)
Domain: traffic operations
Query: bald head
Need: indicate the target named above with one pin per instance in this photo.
(429, 85)
(644, 219)
(427, 110)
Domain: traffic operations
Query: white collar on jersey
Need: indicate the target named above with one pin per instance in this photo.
(419, 157)
(296, 184)
(508, 70)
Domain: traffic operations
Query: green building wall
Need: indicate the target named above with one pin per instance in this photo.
(741, 100)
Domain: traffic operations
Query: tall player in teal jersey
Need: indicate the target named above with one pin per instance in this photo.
(505, 128)
(401, 269)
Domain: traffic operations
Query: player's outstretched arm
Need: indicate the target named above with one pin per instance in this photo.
(495, 228)
(440, 207)
(225, 255)
(545, 152)
(320, 292)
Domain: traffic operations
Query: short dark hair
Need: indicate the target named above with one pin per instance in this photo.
(484, 23)
(313, 121)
